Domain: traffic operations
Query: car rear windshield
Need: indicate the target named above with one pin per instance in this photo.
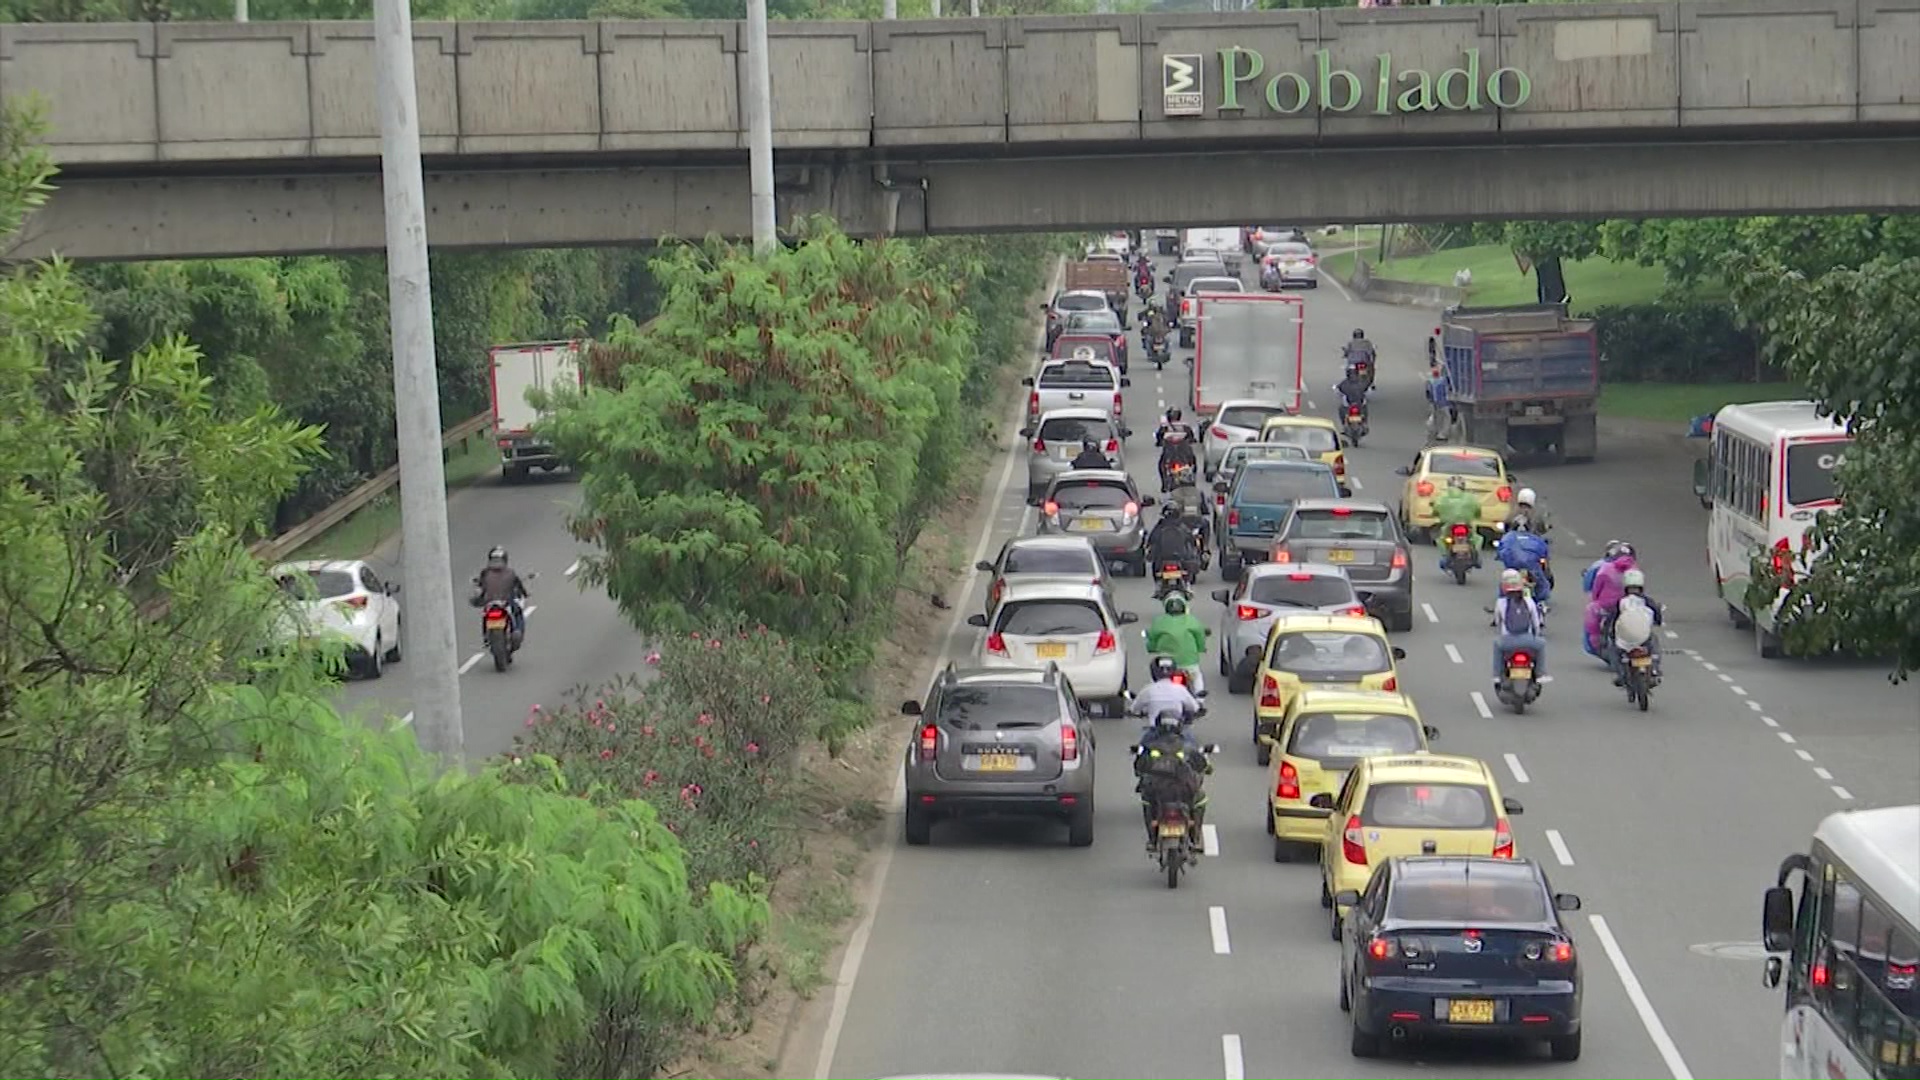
(1050, 560)
(1075, 428)
(1810, 471)
(1330, 654)
(1315, 440)
(1081, 302)
(1296, 250)
(1492, 900)
(1316, 590)
(1248, 416)
(317, 584)
(1428, 806)
(1076, 375)
(1093, 320)
(1269, 487)
(1485, 468)
(1187, 273)
(999, 708)
(1340, 525)
(1041, 618)
(1085, 496)
(1350, 736)
(1238, 456)
(1218, 284)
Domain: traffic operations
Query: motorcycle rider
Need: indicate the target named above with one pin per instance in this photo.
(1154, 330)
(1527, 514)
(498, 583)
(1171, 541)
(1519, 620)
(1456, 506)
(1606, 555)
(1526, 551)
(1608, 588)
(1090, 456)
(1176, 448)
(1632, 623)
(1353, 390)
(1357, 350)
(1163, 695)
(1186, 498)
(1171, 768)
(1143, 272)
(1179, 636)
(1171, 421)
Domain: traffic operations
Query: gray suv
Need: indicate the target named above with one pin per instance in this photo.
(1057, 439)
(1000, 742)
(1104, 506)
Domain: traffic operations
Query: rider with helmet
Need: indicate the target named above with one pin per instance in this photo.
(1527, 514)
(1171, 767)
(1633, 621)
(1359, 351)
(1180, 637)
(1519, 621)
(1090, 456)
(1172, 541)
(498, 583)
(1527, 551)
(1607, 553)
(1171, 421)
(1456, 506)
(1164, 694)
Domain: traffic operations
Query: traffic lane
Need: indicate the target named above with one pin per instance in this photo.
(574, 636)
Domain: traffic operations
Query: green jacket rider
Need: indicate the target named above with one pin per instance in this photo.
(1456, 505)
(1177, 634)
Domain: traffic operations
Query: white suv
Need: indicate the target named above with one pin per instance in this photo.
(344, 599)
(1041, 622)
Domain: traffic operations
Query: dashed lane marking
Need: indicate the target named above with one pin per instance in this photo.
(1519, 774)
(1480, 705)
(1210, 839)
(1453, 654)
(1843, 792)
(1427, 610)
(574, 569)
(1236, 1068)
(1559, 847)
(1217, 923)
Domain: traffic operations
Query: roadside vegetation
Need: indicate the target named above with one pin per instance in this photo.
(1593, 283)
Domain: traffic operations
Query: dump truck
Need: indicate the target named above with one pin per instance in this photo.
(516, 369)
(1248, 345)
(1109, 276)
(1525, 377)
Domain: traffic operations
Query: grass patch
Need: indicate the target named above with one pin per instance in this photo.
(359, 534)
(1593, 283)
(808, 933)
(1681, 402)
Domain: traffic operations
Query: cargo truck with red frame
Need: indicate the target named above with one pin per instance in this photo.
(1248, 345)
(514, 370)
(1525, 377)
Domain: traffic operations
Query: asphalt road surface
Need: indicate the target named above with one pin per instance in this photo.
(999, 949)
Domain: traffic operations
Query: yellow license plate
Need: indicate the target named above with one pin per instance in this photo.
(1470, 1012)
(1339, 555)
(998, 762)
(1172, 832)
(1089, 525)
(1519, 673)
(1169, 575)
(1463, 546)
(1643, 661)
(496, 623)
(1050, 652)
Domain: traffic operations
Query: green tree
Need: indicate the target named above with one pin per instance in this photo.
(1548, 244)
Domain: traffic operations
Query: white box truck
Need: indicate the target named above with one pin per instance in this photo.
(516, 369)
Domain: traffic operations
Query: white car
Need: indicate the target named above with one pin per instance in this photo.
(1073, 625)
(1238, 421)
(1027, 559)
(345, 599)
(1114, 243)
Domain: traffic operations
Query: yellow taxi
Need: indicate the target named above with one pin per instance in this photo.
(1409, 804)
(1484, 471)
(1317, 435)
(1326, 652)
(1324, 733)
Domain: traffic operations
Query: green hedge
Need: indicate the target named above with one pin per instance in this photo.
(1690, 342)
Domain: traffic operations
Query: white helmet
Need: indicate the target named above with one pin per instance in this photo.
(1633, 579)
(1512, 581)
(1525, 498)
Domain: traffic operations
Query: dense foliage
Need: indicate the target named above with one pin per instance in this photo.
(1684, 340)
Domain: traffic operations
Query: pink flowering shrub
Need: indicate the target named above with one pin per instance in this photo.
(712, 740)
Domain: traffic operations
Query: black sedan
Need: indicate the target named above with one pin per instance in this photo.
(1460, 946)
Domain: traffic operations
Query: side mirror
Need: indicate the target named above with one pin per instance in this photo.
(1322, 801)
(1221, 596)
(1126, 433)
(1267, 740)
(1346, 492)
(1168, 279)
(1219, 487)
(1701, 470)
(1346, 898)
(1044, 307)
(1511, 805)
(1026, 433)
(977, 620)
(1125, 383)
(983, 566)
(1202, 694)
(1399, 653)
(1128, 618)
(1148, 500)
(909, 708)
(1134, 749)
(1776, 919)
(1430, 732)
(392, 589)
(1565, 901)
(1404, 470)
(1026, 382)
(1210, 748)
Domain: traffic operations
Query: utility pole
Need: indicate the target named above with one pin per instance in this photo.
(890, 9)
(973, 8)
(416, 395)
(239, 10)
(936, 8)
(760, 129)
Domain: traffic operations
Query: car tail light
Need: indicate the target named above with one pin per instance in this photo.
(1351, 847)
(1105, 643)
(1289, 786)
(929, 742)
(1119, 406)
(1399, 559)
(1039, 446)
(1503, 493)
(1247, 612)
(1459, 530)
(1353, 411)
(1233, 519)
(1381, 948)
(1340, 464)
(355, 602)
(1219, 500)
(1282, 555)
(1299, 577)
(1113, 446)
(1342, 511)
(506, 444)
(1423, 489)
(997, 644)
(999, 586)
(1358, 611)
(1561, 952)
(1033, 403)
(1069, 743)
(1186, 306)
(1502, 839)
(1269, 692)
(1392, 685)
(1220, 433)
(1051, 509)
(1781, 560)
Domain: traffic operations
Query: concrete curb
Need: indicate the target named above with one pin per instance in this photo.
(1380, 290)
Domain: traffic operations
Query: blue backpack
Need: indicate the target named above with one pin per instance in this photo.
(1519, 618)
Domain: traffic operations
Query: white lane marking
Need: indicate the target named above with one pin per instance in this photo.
(472, 660)
(531, 608)
(1769, 721)
(1804, 756)
(1752, 704)
(1672, 634)
(1785, 738)
(572, 570)
(1709, 667)
(1559, 847)
(1354, 483)
(1649, 1019)
(1480, 705)
(1236, 1069)
(1519, 774)
(1217, 922)
(1311, 405)
(1569, 534)
(1427, 610)
(1723, 676)
(1344, 295)
(863, 933)
(1842, 792)
(1160, 404)
(1817, 770)
(1453, 654)
(1741, 690)
(1209, 839)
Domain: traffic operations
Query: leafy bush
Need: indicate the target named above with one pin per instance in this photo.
(1691, 342)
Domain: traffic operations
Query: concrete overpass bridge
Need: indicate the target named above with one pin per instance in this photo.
(200, 139)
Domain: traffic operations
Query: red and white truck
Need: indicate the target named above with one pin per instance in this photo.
(515, 369)
(1248, 345)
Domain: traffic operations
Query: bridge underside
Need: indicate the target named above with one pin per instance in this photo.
(111, 218)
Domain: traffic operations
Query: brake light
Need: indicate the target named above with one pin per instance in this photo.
(1340, 464)
(1392, 685)
(1351, 847)
(1289, 786)
(1120, 341)
(1051, 509)
(1380, 948)
(1105, 643)
(1781, 559)
(1033, 403)
(1520, 659)
(1233, 519)
(929, 742)
(1269, 692)
(1459, 530)
(1503, 493)
(1282, 555)
(1039, 446)
(1353, 411)
(1220, 433)
(999, 586)
(1219, 500)
(1299, 577)
(1118, 406)
(1186, 306)
(997, 644)
(1423, 489)
(1561, 953)
(1502, 839)
(1343, 511)
(1247, 612)
(1113, 446)
(1179, 678)
(1399, 559)
(1069, 743)
(1357, 611)
(1820, 975)
(355, 601)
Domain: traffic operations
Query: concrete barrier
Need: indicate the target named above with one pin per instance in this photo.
(1380, 290)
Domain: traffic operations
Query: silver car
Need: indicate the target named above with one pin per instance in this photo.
(1238, 421)
(1290, 263)
(1044, 558)
(1269, 591)
(1105, 507)
(1002, 741)
(1058, 438)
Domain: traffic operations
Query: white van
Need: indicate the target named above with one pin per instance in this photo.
(1228, 243)
(1770, 469)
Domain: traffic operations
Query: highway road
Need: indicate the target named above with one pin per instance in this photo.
(999, 949)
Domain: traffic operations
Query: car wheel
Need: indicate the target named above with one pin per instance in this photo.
(1263, 754)
(1080, 826)
(1334, 920)
(1565, 1047)
(1266, 816)
(399, 635)
(1363, 1045)
(1403, 622)
(919, 828)
(1225, 668)
(377, 658)
(1326, 898)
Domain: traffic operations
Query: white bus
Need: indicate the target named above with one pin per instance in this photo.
(1853, 945)
(1769, 470)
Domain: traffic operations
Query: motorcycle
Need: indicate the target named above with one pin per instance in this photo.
(1172, 577)
(1459, 552)
(496, 623)
(1143, 288)
(1356, 423)
(1159, 352)
(1362, 370)
(1177, 842)
(1638, 676)
(1519, 689)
